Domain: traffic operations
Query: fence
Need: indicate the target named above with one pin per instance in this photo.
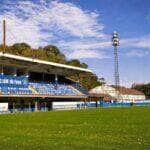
(83, 105)
(21, 110)
(119, 104)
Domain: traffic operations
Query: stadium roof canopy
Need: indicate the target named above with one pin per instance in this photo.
(37, 65)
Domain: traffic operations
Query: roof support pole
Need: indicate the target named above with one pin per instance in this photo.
(43, 76)
(36, 105)
(15, 72)
(45, 103)
(96, 104)
(56, 78)
(26, 73)
(2, 70)
(13, 106)
(85, 103)
(29, 106)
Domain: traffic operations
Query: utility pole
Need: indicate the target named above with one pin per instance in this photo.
(4, 35)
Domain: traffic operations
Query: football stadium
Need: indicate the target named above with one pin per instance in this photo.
(33, 85)
(30, 84)
(50, 99)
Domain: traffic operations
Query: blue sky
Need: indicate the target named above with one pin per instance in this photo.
(82, 29)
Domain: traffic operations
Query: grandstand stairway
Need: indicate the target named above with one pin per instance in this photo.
(76, 90)
(34, 91)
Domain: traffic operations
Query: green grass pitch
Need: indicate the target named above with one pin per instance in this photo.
(111, 128)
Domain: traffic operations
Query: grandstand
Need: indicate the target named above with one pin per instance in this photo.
(27, 83)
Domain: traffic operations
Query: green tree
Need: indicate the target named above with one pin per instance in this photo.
(54, 54)
(19, 48)
(145, 88)
(84, 65)
(74, 62)
(89, 81)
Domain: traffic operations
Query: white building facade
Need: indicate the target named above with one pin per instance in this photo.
(123, 94)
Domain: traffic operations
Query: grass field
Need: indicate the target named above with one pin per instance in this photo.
(113, 128)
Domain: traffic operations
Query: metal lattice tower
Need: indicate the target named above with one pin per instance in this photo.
(115, 42)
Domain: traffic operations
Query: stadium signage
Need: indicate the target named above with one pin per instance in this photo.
(13, 80)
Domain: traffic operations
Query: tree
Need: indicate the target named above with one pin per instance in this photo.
(145, 88)
(89, 81)
(74, 62)
(19, 48)
(54, 54)
(51, 49)
(8, 50)
(84, 65)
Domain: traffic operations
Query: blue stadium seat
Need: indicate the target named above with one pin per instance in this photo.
(21, 86)
(14, 85)
(53, 89)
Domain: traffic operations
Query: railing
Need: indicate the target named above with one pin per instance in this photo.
(21, 110)
(120, 104)
(80, 88)
(78, 106)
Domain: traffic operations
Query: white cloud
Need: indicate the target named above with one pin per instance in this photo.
(85, 44)
(76, 21)
(141, 42)
(137, 53)
(85, 49)
(87, 54)
(27, 21)
(144, 42)
(22, 24)
(62, 24)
